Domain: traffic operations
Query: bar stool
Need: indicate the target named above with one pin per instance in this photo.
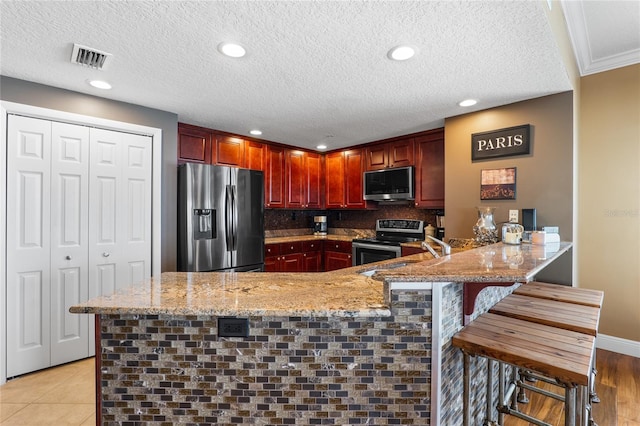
(563, 293)
(568, 316)
(549, 351)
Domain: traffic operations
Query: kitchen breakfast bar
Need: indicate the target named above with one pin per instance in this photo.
(370, 344)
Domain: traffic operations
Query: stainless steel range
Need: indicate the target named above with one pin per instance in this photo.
(390, 233)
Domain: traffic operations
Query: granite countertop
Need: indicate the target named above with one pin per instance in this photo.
(345, 292)
(308, 237)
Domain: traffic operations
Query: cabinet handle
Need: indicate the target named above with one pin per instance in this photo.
(105, 254)
(68, 257)
(291, 247)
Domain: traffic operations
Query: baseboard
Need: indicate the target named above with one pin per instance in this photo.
(616, 344)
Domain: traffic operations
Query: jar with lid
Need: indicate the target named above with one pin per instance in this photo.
(430, 231)
(512, 233)
(485, 228)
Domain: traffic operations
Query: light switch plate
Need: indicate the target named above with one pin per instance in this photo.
(513, 216)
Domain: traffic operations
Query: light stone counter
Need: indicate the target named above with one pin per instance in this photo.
(346, 292)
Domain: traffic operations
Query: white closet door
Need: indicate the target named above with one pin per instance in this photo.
(135, 234)
(28, 244)
(69, 241)
(119, 210)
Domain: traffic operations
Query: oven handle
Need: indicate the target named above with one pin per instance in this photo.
(377, 247)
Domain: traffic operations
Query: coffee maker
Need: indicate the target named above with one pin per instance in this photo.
(440, 227)
(319, 225)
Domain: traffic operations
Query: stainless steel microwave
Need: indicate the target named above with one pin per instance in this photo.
(389, 184)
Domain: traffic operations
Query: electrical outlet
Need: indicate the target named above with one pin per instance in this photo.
(513, 216)
(233, 327)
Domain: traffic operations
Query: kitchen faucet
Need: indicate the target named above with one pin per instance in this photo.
(446, 248)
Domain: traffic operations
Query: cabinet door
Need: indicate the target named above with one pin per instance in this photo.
(408, 251)
(291, 263)
(334, 260)
(229, 151)
(401, 153)
(354, 164)
(295, 182)
(376, 157)
(314, 181)
(255, 155)
(335, 180)
(312, 261)
(272, 264)
(274, 177)
(194, 145)
(430, 170)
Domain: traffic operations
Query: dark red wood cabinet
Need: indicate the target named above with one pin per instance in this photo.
(408, 251)
(398, 153)
(229, 151)
(344, 181)
(255, 155)
(429, 172)
(194, 144)
(337, 255)
(274, 177)
(303, 181)
(313, 256)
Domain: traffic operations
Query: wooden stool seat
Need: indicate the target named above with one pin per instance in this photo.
(554, 352)
(568, 316)
(561, 293)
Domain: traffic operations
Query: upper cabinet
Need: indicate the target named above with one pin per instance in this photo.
(274, 177)
(430, 169)
(194, 144)
(255, 155)
(299, 179)
(398, 153)
(304, 180)
(229, 151)
(344, 179)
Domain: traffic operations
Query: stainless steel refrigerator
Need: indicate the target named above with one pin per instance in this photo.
(220, 218)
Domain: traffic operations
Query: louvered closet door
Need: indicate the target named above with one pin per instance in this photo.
(28, 244)
(119, 210)
(69, 241)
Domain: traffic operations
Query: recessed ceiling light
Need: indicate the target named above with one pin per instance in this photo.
(401, 53)
(99, 84)
(468, 102)
(255, 132)
(232, 50)
(321, 147)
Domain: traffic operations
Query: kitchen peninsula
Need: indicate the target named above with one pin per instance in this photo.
(363, 345)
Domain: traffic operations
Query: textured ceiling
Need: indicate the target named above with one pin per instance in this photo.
(316, 71)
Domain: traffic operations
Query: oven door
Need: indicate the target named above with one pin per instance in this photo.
(371, 252)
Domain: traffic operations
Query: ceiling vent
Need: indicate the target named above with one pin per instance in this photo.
(89, 57)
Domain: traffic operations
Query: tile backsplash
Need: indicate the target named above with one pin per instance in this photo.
(276, 219)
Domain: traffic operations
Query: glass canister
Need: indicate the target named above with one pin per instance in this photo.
(512, 233)
(485, 228)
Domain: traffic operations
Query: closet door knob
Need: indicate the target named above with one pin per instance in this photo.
(105, 254)
(68, 257)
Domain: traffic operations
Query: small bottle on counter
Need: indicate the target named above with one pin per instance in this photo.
(430, 230)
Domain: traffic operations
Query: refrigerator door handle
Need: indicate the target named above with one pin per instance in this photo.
(234, 231)
(228, 217)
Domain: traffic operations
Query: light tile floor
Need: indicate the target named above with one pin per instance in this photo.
(63, 395)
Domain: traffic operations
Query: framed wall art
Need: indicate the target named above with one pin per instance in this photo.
(498, 184)
(501, 143)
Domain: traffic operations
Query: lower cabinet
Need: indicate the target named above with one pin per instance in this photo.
(408, 251)
(307, 256)
(312, 256)
(337, 255)
(283, 257)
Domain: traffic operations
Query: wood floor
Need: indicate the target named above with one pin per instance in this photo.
(617, 385)
(65, 396)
